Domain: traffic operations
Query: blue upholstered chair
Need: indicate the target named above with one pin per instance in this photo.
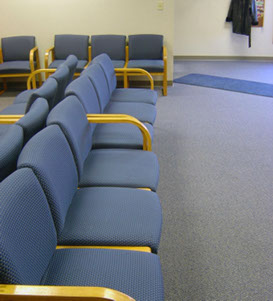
(102, 167)
(18, 58)
(147, 51)
(105, 135)
(67, 44)
(113, 45)
(31, 265)
(14, 136)
(98, 216)
(120, 94)
(142, 111)
(11, 143)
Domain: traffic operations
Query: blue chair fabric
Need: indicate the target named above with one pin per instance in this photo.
(15, 67)
(102, 167)
(37, 262)
(11, 143)
(149, 65)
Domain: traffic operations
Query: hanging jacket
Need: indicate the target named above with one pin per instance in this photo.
(242, 14)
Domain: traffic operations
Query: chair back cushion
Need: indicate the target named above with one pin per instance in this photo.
(27, 234)
(70, 116)
(84, 90)
(62, 76)
(112, 45)
(11, 143)
(107, 66)
(48, 91)
(17, 48)
(48, 154)
(99, 81)
(35, 119)
(67, 44)
(145, 46)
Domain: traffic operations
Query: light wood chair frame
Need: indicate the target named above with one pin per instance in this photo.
(33, 56)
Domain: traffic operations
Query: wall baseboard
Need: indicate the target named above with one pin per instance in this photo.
(223, 58)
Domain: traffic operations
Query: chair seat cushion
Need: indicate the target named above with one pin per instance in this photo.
(112, 216)
(15, 67)
(24, 96)
(119, 136)
(14, 109)
(80, 66)
(142, 111)
(118, 63)
(148, 65)
(134, 95)
(120, 168)
(136, 274)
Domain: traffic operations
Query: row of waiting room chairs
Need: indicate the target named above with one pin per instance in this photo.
(19, 55)
(80, 215)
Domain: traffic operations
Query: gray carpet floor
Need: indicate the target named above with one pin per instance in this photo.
(215, 150)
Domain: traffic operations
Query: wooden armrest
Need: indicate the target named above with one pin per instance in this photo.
(122, 118)
(89, 54)
(32, 52)
(34, 73)
(9, 119)
(1, 56)
(60, 293)
(48, 51)
(136, 71)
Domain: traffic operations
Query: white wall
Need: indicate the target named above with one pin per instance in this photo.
(44, 19)
(201, 30)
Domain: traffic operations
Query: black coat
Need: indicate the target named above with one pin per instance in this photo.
(242, 14)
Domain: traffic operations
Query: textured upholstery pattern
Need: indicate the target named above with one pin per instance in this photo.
(71, 44)
(136, 274)
(134, 95)
(48, 154)
(142, 111)
(11, 143)
(15, 67)
(69, 115)
(107, 66)
(149, 65)
(113, 216)
(61, 75)
(48, 91)
(71, 62)
(119, 136)
(120, 167)
(145, 46)
(27, 233)
(112, 45)
(35, 119)
(79, 67)
(97, 77)
(17, 48)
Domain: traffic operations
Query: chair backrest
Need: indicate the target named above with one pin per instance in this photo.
(71, 62)
(67, 44)
(145, 46)
(17, 48)
(48, 91)
(112, 45)
(49, 156)
(11, 143)
(27, 234)
(107, 66)
(70, 116)
(35, 119)
(84, 90)
(99, 81)
(62, 76)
